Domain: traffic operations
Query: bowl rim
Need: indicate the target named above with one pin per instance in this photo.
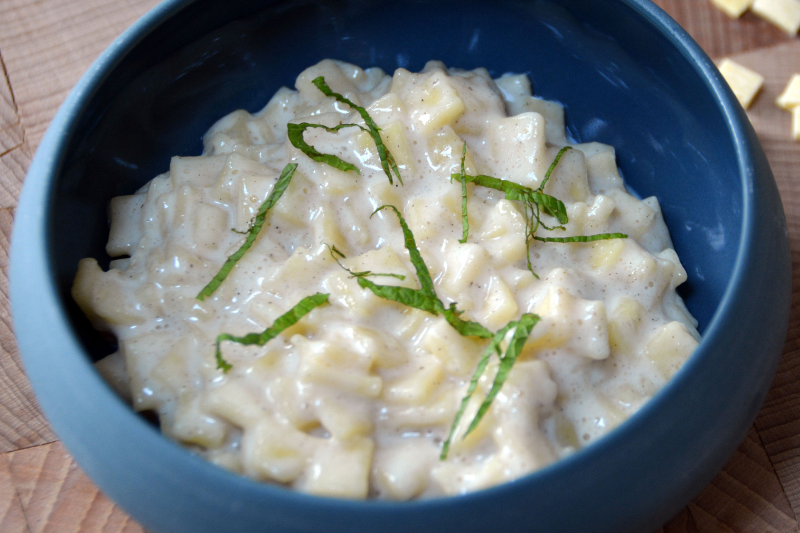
(30, 261)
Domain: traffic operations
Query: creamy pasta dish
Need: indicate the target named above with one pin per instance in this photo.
(390, 287)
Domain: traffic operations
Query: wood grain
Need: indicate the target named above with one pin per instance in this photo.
(12, 517)
(10, 128)
(746, 492)
(745, 497)
(47, 46)
(21, 421)
(57, 497)
(718, 34)
(13, 166)
(779, 420)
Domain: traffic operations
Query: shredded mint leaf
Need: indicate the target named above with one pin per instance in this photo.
(222, 364)
(493, 347)
(424, 298)
(523, 330)
(295, 135)
(387, 160)
(425, 280)
(464, 219)
(552, 167)
(261, 216)
(466, 328)
(514, 191)
(333, 251)
(583, 238)
(551, 205)
(288, 319)
(411, 297)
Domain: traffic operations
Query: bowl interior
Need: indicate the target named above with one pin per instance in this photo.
(671, 139)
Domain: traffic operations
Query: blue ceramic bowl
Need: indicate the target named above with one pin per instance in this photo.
(629, 77)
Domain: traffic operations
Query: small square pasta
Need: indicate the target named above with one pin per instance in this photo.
(337, 332)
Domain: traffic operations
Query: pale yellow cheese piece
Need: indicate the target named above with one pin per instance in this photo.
(796, 123)
(790, 97)
(744, 82)
(733, 8)
(434, 103)
(785, 14)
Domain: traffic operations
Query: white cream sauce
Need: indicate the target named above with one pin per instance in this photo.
(356, 399)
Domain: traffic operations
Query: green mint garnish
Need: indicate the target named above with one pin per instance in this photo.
(288, 319)
(411, 297)
(583, 238)
(466, 328)
(387, 160)
(524, 326)
(255, 228)
(523, 330)
(295, 135)
(514, 191)
(425, 280)
(335, 252)
(464, 219)
(552, 167)
(534, 202)
(424, 298)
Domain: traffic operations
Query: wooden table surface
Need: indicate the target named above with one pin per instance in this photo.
(46, 45)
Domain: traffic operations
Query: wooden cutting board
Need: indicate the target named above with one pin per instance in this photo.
(46, 45)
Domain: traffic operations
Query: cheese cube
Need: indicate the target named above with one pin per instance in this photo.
(602, 172)
(441, 409)
(210, 225)
(785, 14)
(790, 97)
(458, 354)
(463, 263)
(335, 78)
(565, 432)
(605, 254)
(598, 213)
(275, 451)
(200, 171)
(500, 306)
(125, 214)
(400, 471)
(190, 425)
(733, 8)
(434, 103)
(235, 404)
(518, 147)
(623, 324)
(417, 387)
(395, 140)
(337, 367)
(103, 298)
(344, 421)
(744, 83)
(669, 348)
(446, 148)
(796, 123)
(341, 469)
